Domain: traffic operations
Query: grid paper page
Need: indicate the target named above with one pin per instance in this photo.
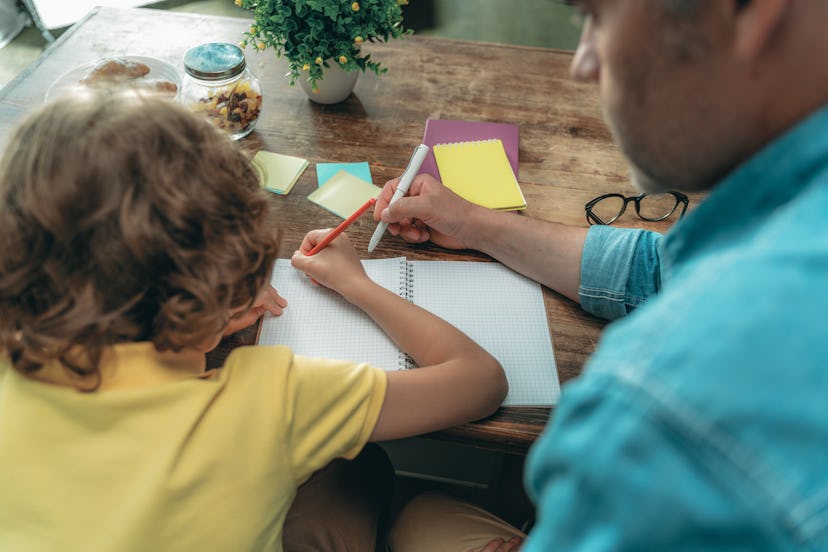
(501, 310)
(318, 322)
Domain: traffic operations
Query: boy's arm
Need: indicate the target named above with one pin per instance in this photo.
(457, 380)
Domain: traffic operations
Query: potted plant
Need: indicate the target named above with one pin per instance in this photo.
(318, 37)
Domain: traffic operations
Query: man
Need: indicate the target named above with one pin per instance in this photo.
(700, 421)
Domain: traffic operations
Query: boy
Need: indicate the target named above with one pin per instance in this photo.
(133, 235)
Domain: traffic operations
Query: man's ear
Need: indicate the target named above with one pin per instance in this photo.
(756, 21)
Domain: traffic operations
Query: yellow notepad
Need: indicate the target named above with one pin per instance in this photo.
(278, 172)
(479, 171)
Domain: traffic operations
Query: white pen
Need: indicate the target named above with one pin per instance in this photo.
(408, 175)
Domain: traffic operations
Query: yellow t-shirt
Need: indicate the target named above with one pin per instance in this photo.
(194, 464)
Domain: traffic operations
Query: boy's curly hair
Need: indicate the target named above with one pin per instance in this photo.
(124, 218)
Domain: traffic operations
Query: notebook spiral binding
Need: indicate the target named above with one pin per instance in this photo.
(407, 293)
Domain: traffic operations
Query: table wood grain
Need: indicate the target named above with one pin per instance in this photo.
(567, 155)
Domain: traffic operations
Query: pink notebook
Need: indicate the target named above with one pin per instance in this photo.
(449, 131)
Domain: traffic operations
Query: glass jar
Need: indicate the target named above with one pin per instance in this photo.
(218, 84)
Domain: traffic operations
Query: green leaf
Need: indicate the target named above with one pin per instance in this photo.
(302, 30)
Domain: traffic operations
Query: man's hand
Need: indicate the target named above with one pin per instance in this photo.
(268, 300)
(430, 211)
(502, 545)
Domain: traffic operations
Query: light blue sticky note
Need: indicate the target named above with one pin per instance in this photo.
(324, 171)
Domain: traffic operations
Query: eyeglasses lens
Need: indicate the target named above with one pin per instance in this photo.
(656, 206)
(608, 208)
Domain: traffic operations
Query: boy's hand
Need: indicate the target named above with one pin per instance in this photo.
(268, 300)
(336, 267)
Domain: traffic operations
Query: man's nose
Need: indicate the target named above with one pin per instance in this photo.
(585, 66)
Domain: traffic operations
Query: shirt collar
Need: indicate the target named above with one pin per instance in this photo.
(135, 365)
(744, 198)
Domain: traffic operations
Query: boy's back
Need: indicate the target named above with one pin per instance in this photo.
(136, 468)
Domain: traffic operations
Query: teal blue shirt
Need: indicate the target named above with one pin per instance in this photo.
(701, 422)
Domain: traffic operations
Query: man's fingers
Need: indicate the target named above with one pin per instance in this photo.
(413, 234)
(385, 196)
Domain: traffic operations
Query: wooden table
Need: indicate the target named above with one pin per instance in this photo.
(567, 155)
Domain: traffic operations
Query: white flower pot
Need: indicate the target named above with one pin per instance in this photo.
(335, 85)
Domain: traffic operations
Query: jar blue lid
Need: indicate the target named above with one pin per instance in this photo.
(214, 61)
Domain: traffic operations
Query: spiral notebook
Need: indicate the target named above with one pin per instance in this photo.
(480, 172)
(500, 309)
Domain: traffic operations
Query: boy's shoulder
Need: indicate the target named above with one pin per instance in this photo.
(257, 360)
(258, 354)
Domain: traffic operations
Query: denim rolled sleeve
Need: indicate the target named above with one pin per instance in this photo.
(620, 269)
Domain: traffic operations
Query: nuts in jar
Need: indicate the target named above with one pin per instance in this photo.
(219, 85)
(235, 109)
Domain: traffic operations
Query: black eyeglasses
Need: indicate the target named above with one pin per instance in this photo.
(607, 208)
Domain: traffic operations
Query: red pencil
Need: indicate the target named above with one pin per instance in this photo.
(341, 228)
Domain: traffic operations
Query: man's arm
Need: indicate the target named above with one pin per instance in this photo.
(549, 253)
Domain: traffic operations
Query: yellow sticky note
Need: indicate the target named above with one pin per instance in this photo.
(480, 172)
(278, 172)
(344, 193)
